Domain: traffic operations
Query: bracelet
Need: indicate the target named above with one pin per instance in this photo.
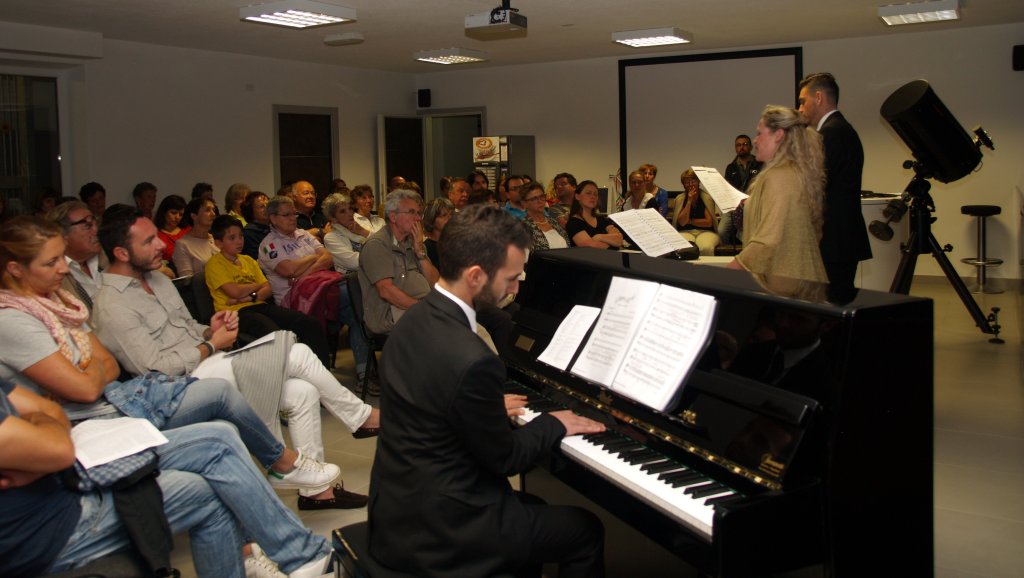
(210, 349)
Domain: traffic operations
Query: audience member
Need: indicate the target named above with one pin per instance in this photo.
(639, 197)
(449, 432)
(169, 216)
(443, 186)
(289, 253)
(695, 214)
(203, 191)
(208, 484)
(587, 228)
(565, 189)
(485, 196)
(738, 173)
(435, 217)
(650, 172)
(514, 205)
(394, 269)
(337, 185)
(459, 192)
(365, 206)
(48, 199)
(142, 320)
(233, 199)
(193, 249)
(144, 195)
(95, 196)
(395, 182)
(285, 190)
(783, 215)
(502, 190)
(82, 253)
(309, 218)
(544, 229)
(257, 222)
(478, 181)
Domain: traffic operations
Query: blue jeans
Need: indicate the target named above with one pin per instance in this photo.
(210, 399)
(355, 331)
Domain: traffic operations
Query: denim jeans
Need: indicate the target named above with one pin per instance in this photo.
(209, 399)
(356, 337)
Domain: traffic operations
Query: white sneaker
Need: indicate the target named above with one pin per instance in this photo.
(307, 474)
(259, 566)
(315, 569)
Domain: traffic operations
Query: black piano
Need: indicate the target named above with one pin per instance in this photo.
(802, 438)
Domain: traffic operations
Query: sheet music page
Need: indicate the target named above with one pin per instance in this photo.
(726, 196)
(99, 441)
(624, 308)
(569, 336)
(668, 342)
(650, 231)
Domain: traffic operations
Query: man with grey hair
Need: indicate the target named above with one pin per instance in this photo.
(395, 271)
(83, 253)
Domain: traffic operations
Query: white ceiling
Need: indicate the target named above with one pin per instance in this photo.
(558, 29)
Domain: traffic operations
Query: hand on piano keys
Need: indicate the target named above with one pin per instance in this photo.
(515, 404)
(577, 424)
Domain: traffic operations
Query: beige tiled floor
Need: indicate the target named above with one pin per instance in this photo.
(979, 452)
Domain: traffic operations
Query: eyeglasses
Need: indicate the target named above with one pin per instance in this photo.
(89, 222)
(410, 212)
(536, 198)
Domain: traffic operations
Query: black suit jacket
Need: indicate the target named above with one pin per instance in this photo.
(440, 503)
(844, 237)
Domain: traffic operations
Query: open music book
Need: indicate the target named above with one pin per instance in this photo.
(650, 231)
(726, 196)
(647, 339)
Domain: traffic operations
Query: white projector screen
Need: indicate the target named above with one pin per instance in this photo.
(680, 111)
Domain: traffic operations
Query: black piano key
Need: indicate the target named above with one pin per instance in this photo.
(697, 488)
(628, 451)
(658, 467)
(600, 436)
(642, 457)
(543, 406)
(686, 473)
(689, 482)
(720, 499)
(718, 489)
(611, 446)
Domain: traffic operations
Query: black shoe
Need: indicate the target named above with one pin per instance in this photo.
(342, 500)
(366, 432)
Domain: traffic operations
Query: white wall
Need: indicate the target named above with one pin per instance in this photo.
(572, 109)
(177, 116)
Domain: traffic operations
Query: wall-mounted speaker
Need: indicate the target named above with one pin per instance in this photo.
(1018, 57)
(423, 98)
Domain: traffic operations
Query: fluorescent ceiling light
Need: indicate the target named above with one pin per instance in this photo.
(451, 56)
(918, 12)
(297, 13)
(652, 37)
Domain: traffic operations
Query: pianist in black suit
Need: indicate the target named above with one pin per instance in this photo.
(440, 503)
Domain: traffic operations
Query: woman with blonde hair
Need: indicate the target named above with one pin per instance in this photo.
(696, 214)
(783, 216)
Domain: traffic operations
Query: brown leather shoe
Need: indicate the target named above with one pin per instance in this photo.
(342, 500)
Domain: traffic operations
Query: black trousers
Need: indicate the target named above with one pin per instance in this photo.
(570, 536)
(259, 320)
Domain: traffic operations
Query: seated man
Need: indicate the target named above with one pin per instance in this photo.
(308, 218)
(83, 253)
(142, 320)
(209, 486)
(442, 465)
(395, 271)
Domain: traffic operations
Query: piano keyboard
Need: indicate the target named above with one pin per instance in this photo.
(677, 491)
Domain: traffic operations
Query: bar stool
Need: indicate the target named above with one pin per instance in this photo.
(982, 261)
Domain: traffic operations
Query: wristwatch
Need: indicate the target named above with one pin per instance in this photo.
(252, 296)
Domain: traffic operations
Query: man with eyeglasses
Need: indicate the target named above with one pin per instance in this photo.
(83, 253)
(394, 269)
(515, 198)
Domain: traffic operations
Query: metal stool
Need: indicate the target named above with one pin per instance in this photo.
(982, 261)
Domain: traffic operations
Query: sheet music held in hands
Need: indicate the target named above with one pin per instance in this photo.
(647, 339)
(650, 231)
(726, 196)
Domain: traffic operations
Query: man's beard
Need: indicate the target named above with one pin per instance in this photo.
(140, 264)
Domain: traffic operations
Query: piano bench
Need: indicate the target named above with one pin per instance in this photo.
(352, 552)
(728, 250)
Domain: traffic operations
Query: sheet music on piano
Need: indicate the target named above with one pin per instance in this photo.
(647, 339)
(650, 231)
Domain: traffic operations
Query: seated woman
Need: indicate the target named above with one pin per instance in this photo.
(236, 283)
(233, 200)
(695, 214)
(638, 197)
(168, 223)
(783, 216)
(544, 229)
(585, 227)
(193, 250)
(369, 221)
(50, 349)
(257, 222)
(435, 216)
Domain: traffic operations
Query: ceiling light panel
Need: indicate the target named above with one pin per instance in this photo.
(450, 56)
(920, 12)
(652, 37)
(297, 14)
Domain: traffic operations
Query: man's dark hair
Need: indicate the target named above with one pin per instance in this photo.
(484, 196)
(746, 136)
(142, 188)
(117, 220)
(568, 176)
(200, 189)
(479, 235)
(221, 224)
(89, 189)
(824, 82)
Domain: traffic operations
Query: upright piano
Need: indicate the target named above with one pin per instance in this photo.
(803, 436)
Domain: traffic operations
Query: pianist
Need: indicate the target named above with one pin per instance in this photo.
(440, 501)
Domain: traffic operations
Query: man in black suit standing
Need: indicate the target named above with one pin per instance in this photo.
(440, 501)
(844, 240)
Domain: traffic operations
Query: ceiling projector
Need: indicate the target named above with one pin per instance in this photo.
(497, 24)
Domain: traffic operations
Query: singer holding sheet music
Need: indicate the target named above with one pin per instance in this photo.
(783, 217)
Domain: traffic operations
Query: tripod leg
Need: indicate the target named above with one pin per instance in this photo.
(905, 271)
(958, 285)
